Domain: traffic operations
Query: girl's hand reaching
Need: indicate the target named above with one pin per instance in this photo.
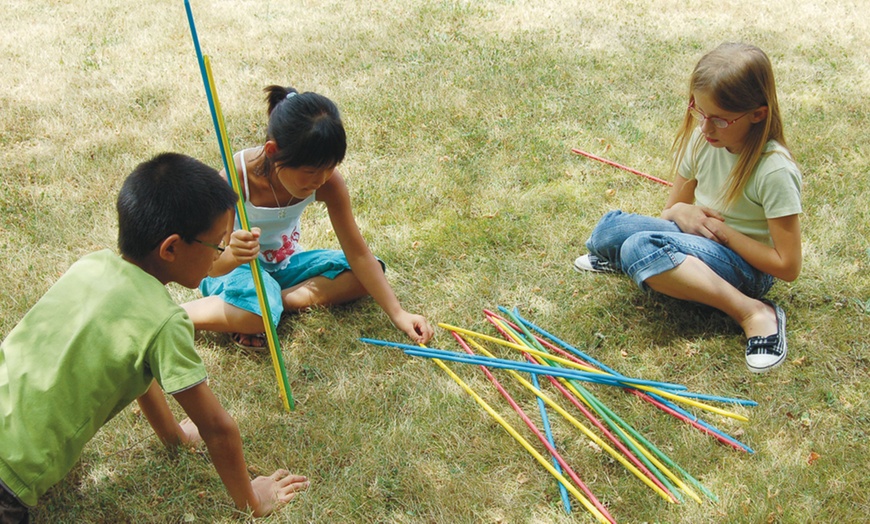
(245, 245)
(415, 326)
(697, 220)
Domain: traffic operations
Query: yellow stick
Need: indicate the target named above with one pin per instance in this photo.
(271, 335)
(640, 447)
(646, 453)
(579, 425)
(519, 438)
(570, 363)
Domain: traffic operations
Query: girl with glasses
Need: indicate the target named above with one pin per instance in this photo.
(730, 225)
(297, 165)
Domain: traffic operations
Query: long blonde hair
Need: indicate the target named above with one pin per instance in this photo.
(739, 77)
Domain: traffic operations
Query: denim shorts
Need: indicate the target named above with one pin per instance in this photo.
(643, 247)
(237, 287)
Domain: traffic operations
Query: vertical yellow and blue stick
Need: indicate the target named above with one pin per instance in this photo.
(230, 170)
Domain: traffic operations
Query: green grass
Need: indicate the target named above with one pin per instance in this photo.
(460, 116)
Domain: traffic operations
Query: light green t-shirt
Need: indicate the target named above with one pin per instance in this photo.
(89, 347)
(773, 190)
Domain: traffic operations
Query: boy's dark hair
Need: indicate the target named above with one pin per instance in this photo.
(307, 128)
(169, 194)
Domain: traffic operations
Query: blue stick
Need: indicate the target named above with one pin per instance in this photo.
(587, 358)
(724, 400)
(545, 420)
(712, 428)
(499, 363)
(664, 401)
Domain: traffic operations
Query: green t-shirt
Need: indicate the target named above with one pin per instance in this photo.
(87, 349)
(773, 190)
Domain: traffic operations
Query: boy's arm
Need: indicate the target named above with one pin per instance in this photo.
(156, 410)
(221, 435)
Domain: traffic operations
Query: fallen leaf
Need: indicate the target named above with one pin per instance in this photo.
(522, 478)
(806, 421)
(813, 457)
(799, 361)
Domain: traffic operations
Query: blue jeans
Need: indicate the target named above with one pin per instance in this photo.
(643, 247)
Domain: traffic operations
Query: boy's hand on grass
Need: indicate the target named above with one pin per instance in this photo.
(245, 245)
(190, 433)
(277, 489)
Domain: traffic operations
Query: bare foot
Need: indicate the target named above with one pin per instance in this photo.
(255, 342)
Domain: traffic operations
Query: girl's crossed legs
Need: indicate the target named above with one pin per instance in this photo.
(656, 254)
(313, 278)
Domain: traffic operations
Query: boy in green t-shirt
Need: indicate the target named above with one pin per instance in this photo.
(107, 332)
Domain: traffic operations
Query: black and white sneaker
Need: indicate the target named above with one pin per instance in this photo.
(592, 263)
(766, 353)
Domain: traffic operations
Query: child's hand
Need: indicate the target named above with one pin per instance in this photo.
(274, 491)
(696, 220)
(190, 433)
(415, 326)
(245, 245)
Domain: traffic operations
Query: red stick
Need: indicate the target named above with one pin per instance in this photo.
(620, 166)
(592, 498)
(642, 395)
(616, 442)
(685, 419)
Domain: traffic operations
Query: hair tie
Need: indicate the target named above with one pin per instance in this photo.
(290, 95)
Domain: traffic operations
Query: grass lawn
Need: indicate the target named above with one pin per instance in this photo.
(461, 116)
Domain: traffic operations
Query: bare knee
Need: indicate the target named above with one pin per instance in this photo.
(322, 291)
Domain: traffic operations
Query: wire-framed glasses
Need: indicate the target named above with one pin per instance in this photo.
(216, 247)
(721, 123)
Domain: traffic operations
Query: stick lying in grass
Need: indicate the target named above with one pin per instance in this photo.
(649, 480)
(641, 448)
(651, 397)
(519, 438)
(620, 166)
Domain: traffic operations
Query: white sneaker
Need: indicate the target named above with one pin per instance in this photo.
(766, 353)
(591, 263)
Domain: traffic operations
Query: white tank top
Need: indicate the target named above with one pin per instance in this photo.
(279, 227)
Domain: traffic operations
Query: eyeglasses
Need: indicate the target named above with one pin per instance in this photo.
(219, 249)
(721, 123)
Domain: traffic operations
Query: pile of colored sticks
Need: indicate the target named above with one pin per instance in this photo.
(569, 370)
